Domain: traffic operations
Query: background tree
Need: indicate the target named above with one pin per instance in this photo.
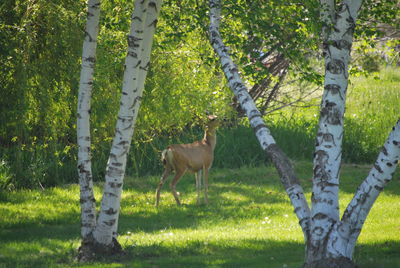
(330, 241)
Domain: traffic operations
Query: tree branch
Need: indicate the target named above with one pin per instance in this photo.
(267, 142)
(380, 174)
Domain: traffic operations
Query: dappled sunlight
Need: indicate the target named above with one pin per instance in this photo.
(248, 221)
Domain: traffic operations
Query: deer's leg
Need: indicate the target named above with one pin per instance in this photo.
(164, 177)
(178, 175)
(205, 177)
(198, 184)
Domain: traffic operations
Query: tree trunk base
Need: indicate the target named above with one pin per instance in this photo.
(341, 262)
(91, 250)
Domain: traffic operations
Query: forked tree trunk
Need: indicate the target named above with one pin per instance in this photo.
(329, 241)
(88, 205)
(101, 236)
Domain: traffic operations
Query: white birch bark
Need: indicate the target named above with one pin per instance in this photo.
(267, 142)
(327, 157)
(381, 173)
(88, 205)
(140, 38)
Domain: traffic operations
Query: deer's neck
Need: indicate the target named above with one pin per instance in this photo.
(210, 136)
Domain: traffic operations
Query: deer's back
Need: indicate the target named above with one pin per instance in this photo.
(191, 156)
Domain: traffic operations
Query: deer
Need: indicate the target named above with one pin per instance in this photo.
(196, 157)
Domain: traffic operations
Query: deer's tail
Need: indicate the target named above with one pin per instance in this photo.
(167, 157)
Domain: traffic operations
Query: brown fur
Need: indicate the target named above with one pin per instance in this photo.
(195, 157)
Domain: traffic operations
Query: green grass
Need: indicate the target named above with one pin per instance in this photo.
(249, 223)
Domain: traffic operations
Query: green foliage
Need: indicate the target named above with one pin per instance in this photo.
(249, 222)
(254, 29)
(41, 40)
(40, 51)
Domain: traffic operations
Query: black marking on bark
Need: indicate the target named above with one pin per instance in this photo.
(153, 5)
(88, 36)
(146, 67)
(319, 216)
(244, 100)
(321, 158)
(110, 211)
(110, 194)
(123, 143)
(236, 84)
(253, 114)
(335, 66)
(116, 164)
(132, 54)
(332, 113)
(137, 99)
(136, 18)
(327, 137)
(318, 231)
(258, 127)
(113, 156)
(137, 64)
(115, 171)
(389, 164)
(115, 184)
(396, 143)
(110, 222)
(342, 44)
(133, 41)
(234, 69)
(378, 168)
(322, 200)
(153, 23)
(384, 151)
(96, 5)
(334, 89)
(90, 59)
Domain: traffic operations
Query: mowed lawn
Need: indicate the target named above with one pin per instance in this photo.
(248, 223)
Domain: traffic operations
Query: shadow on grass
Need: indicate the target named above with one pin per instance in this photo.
(242, 253)
(252, 253)
(50, 246)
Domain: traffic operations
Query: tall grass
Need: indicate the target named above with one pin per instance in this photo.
(373, 106)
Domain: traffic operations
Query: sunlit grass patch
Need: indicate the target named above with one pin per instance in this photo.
(249, 222)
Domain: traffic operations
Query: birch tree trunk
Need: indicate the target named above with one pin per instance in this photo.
(329, 241)
(338, 37)
(267, 142)
(101, 236)
(144, 20)
(88, 205)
